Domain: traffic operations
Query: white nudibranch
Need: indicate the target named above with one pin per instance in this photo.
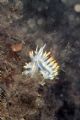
(42, 62)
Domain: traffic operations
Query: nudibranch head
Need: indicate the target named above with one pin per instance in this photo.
(42, 62)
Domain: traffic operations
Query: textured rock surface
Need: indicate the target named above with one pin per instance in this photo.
(30, 23)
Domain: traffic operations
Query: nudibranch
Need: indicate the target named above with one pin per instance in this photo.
(41, 61)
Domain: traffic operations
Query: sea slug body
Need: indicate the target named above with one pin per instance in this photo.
(42, 61)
